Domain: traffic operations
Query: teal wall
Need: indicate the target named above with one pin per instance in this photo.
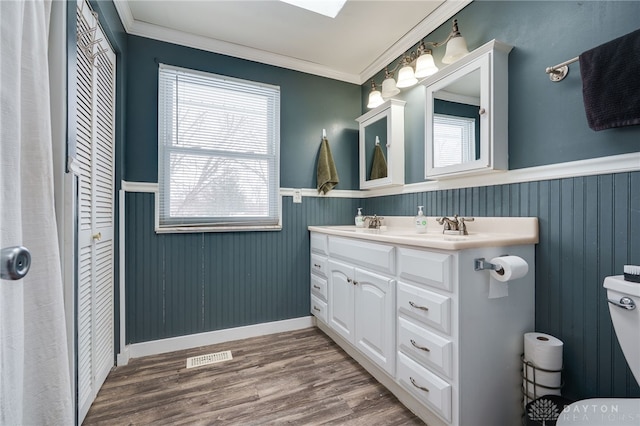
(308, 104)
(589, 226)
(547, 122)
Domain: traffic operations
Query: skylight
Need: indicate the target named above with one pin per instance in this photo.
(329, 8)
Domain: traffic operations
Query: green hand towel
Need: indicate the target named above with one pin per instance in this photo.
(379, 164)
(327, 175)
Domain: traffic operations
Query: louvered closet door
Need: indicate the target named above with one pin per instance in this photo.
(95, 156)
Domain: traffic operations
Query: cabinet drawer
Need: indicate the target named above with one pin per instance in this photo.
(377, 257)
(426, 267)
(319, 286)
(319, 243)
(319, 308)
(425, 386)
(425, 346)
(318, 264)
(426, 306)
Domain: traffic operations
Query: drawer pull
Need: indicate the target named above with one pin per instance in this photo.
(422, 308)
(315, 308)
(316, 286)
(316, 265)
(422, 348)
(413, 382)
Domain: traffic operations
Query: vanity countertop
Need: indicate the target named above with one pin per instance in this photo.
(482, 232)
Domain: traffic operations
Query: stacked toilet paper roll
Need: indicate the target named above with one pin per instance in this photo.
(543, 363)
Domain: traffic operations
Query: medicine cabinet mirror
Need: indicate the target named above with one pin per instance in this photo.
(466, 114)
(381, 145)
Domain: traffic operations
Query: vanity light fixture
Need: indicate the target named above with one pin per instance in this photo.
(422, 59)
(406, 76)
(375, 97)
(389, 88)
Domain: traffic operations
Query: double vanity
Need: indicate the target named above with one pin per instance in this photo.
(413, 310)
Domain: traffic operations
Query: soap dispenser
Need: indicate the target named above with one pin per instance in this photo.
(421, 222)
(359, 219)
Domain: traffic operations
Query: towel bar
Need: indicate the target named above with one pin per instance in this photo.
(560, 71)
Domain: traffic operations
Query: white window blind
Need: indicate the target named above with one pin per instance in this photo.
(454, 140)
(218, 151)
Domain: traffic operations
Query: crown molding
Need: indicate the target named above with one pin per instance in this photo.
(435, 19)
(156, 32)
(143, 29)
(124, 11)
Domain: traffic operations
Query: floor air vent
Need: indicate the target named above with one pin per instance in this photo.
(199, 361)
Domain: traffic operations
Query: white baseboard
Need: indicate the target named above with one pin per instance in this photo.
(137, 350)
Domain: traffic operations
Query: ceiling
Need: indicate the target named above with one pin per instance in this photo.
(366, 35)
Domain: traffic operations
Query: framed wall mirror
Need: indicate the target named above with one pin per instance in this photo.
(466, 115)
(381, 145)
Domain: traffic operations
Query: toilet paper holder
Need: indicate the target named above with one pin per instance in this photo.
(480, 264)
(530, 381)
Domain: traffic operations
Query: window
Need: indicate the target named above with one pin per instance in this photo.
(454, 140)
(218, 152)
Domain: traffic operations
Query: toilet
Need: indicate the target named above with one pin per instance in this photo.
(624, 307)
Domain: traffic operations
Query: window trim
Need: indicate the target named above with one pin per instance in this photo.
(247, 224)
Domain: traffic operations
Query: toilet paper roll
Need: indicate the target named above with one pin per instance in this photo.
(543, 350)
(513, 267)
(545, 353)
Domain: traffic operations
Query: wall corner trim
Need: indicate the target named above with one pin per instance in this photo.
(594, 166)
(621, 163)
(179, 343)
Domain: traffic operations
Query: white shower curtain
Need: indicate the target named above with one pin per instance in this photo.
(35, 386)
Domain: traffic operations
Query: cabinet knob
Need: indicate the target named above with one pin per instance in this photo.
(348, 279)
(355, 282)
(422, 308)
(482, 111)
(97, 237)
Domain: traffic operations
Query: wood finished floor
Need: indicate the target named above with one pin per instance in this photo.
(300, 377)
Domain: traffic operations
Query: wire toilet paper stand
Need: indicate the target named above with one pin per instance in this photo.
(529, 371)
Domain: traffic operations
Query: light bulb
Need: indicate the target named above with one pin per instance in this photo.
(406, 77)
(389, 88)
(456, 49)
(425, 66)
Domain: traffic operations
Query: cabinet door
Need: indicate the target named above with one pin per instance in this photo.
(341, 294)
(374, 318)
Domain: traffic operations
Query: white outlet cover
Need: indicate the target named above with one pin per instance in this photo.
(297, 196)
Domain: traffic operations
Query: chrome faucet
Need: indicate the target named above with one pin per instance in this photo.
(375, 221)
(454, 226)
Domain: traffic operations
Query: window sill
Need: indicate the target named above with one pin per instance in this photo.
(200, 229)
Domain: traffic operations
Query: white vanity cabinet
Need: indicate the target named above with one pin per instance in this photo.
(319, 285)
(362, 303)
(421, 321)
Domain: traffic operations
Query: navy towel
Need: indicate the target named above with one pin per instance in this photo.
(611, 83)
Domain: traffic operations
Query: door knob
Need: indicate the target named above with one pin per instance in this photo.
(14, 263)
